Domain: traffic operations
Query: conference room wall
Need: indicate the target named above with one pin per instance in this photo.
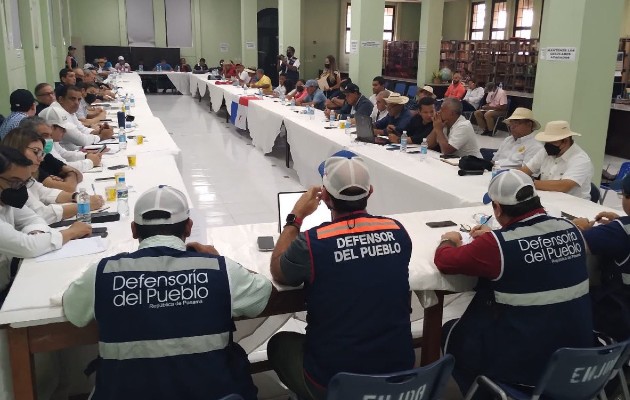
(456, 20)
(407, 26)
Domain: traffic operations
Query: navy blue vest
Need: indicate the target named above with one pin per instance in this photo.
(293, 76)
(538, 304)
(358, 298)
(165, 321)
(624, 264)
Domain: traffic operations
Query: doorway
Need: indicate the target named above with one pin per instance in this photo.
(268, 42)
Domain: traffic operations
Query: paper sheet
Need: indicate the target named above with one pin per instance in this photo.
(76, 248)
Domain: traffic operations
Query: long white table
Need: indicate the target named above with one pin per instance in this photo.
(181, 80)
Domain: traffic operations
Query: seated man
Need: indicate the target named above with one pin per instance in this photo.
(378, 86)
(201, 65)
(22, 106)
(45, 95)
(456, 89)
(532, 294)
(349, 328)
(182, 298)
(87, 114)
(67, 77)
(562, 165)
(122, 65)
(359, 104)
(315, 97)
(79, 75)
(163, 66)
(520, 147)
(281, 89)
(380, 107)
(452, 132)
(414, 104)
(398, 117)
(421, 125)
(23, 233)
(610, 242)
(337, 99)
(474, 95)
(263, 82)
(496, 106)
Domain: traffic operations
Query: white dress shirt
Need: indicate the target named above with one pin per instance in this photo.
(517, 152)
(244, 76)
(82, 112)
(574, 165)
(15, 241)
(474, 96)
(76, 137)
(74, 158)
(462, 137)
(43, 201)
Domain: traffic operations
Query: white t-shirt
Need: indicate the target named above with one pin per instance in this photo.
(249, 291)
(474, 96)
(462, 137)
(574, 165)
(244, 76)
(516, 153)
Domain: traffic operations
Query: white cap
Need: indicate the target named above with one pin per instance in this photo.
(57, 116)
(345, 170)
(161, 198)
(120, 58)
(505, 185)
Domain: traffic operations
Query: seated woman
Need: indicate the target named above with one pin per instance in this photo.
(299, 92)
(330, 79)
(23, 233)
(52, 205)
(184, 66)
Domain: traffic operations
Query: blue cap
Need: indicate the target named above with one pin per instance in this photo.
(625, 184)
(487, 199)
(342, 153)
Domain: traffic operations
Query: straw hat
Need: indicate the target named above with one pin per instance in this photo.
(524, 113)
(249, 71)
(396, 98)
(427, 88)
(556, 130)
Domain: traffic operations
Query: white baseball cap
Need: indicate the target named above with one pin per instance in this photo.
(504, 187)
(161, 198)
(345, 170)
(120, 58)
(57, 116)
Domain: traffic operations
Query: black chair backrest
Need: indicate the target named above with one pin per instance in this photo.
(578, 374)
(595, 193)
(426, 383)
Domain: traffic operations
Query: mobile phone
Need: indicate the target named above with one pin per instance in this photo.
(441, 224)
(105, 179)
(106, 120)
(413, 151)
(102, 149)
(101, 231)
(330, 127)
(265, 243)
(446, 156)
(118, 166)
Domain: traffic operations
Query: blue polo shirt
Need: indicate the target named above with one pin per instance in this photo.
(401, 122)
(318, 98)
(611, 240)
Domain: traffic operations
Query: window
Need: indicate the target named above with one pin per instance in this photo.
(178, 23)
(524, 19)
(499, 20)
(388, 24)
(477, 20)
(140, 27)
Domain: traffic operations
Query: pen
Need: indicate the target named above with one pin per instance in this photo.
(94, 189)
(488, 220)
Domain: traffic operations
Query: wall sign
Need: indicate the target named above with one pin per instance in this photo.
(558, 53)
(224, 47)
(250, 45)
(371, 44)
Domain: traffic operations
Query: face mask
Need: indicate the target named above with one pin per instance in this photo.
(15, 198)
(79, 80)
(90, 98)
(551, 149)
(48, 146)
(299, 88)
(326, 65)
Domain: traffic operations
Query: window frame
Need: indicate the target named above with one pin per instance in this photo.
(348, 24)
(492, 28)
(520, 28)
(472, 14)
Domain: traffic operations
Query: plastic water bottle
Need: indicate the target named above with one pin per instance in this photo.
(332, 117)
(122, 197)
(496, 169)
(282, 98)
(127, 103)
(424, 149)
(178, 69)
(140, 67)
(133, 100)
(122, 139)
(309, 112)
(159, 68)
(292, 104)
(500, 85)
(403, 142)
(83, 206)
(348, 124)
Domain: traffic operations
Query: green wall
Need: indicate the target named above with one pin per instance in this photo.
(456, 20)
(321, 33)
(217, 26)
(95, 23)
(408, 16)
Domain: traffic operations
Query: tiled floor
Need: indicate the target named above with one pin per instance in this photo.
(230, 182)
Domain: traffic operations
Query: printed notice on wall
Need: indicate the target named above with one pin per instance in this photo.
(370, 44)
(224, 47)
(354, 46)
(250, 45)
(558, 53)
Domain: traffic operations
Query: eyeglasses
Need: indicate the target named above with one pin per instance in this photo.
(15, 184)
(39, 153)
(46, 94)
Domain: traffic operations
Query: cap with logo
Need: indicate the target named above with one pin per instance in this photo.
(21, 100)
(57, 116)
(352, 88)
(345, 170)
(505, 185)
(161, 198)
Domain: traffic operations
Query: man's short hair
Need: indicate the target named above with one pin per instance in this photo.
(262, 71)
(291, 48)
(524, 207)
(453, 104)
(62, 90)
(426, 101)
(202, 59)
(146, 231)
(32, 122)
(10, 156)
(64, 73)
(381, 81)
(40, 86)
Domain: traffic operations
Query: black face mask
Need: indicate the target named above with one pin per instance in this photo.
(551, 149)
(79, 80)
(327, 65)
(90, 98)
(299, 88)
(15, 198)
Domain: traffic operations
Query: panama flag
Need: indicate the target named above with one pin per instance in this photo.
(239, 111)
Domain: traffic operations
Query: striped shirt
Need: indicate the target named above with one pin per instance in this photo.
(11, 122)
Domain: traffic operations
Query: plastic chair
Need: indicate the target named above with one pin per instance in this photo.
(425, 382)
(616, 184)
(622, 391)
(232, 397)
(595, 193)
(566, 376)
(502, 117)
(411, 91)
(400, 87)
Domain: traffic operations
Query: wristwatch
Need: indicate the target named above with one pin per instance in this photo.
(293, 220)
(74, 197)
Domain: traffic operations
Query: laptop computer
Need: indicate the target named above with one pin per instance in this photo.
(365, 128)
(286, 201)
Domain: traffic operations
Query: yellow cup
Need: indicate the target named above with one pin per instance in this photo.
(131, 159)
(342, 124)
(110, 193)
(139, 139)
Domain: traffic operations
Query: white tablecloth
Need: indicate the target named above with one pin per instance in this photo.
(181, 80)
